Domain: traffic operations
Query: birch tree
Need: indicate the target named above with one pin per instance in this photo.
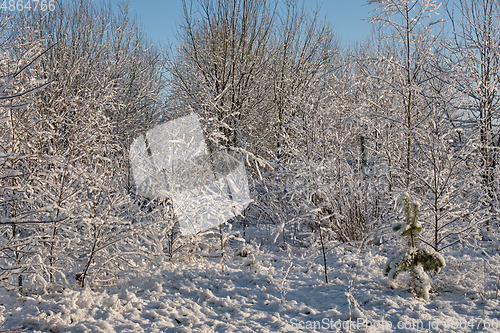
(411, 24)
(73, 136)
(222, 56)
(475, 54)
(20, 212)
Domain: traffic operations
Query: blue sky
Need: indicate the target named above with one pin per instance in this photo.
(161, 18)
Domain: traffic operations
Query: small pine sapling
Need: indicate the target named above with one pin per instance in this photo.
(414, 259)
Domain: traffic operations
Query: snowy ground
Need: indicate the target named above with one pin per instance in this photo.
(250, 291)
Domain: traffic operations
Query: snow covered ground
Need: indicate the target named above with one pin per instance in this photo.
(257, 289)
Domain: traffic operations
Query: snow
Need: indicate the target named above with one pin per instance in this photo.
(262, 288)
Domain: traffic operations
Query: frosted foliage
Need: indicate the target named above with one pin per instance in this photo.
(414, 259)
(172, 161)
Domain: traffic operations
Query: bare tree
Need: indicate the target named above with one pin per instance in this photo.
(19, 251)
(303, 55)
(73, 182)
(222, 56)
(411, 24)
(475, 56)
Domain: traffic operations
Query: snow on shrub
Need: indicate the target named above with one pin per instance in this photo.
(413, 259)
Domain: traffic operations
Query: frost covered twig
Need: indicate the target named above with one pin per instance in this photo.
(283, 289)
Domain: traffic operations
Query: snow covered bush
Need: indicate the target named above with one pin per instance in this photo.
(69, 103)
(348, 208)
(20, 214)
(414, 259)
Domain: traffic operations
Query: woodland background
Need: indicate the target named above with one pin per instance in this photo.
(332, 137)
